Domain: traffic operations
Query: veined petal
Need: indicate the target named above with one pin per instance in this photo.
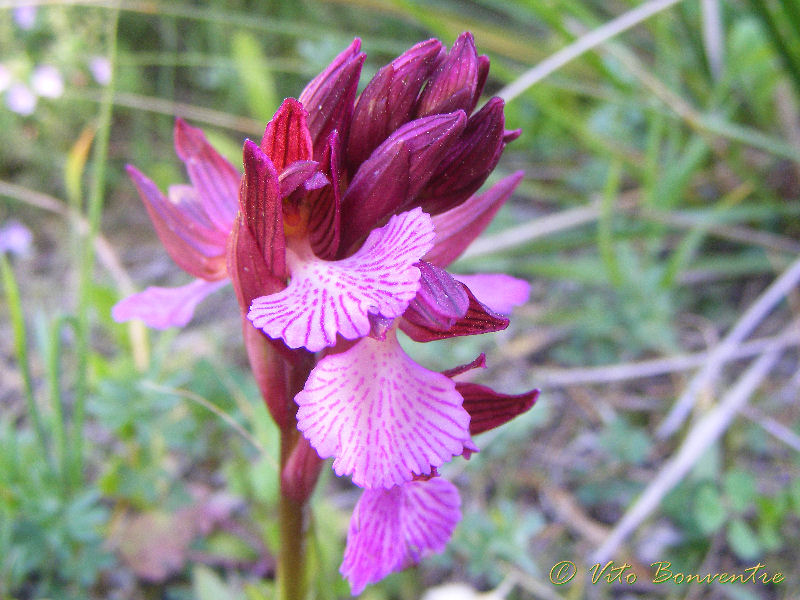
(393, 529)
(214, 178)
(381, 415)
(162, 308)
(183, 228)
(286, 138)
(330, 95)
(458, 227)
(498, 291)
(325, 298)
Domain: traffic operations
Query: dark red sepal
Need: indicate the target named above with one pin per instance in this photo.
(489, 409)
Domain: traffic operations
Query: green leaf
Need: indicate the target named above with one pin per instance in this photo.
(709, 511)
(740, 489)
(743, 540)
(206, 585)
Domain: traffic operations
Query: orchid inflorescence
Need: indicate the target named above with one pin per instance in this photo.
(336, 236)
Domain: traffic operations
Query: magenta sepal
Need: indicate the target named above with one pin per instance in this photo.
(454, 83)
(388, 100)
(215, 180)
(478, 319)
(330, 95)
(161, 307)
(389, 181)
(325, 203)
(184, 229)
(440, 299)
(303, 173)
(489, 409)
(287, 138)
(500, 292)
(458, 227)
(260, 203)
(469, 162)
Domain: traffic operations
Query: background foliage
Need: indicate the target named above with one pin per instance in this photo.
(661, 199)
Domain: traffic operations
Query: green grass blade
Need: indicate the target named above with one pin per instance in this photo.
(14, 302)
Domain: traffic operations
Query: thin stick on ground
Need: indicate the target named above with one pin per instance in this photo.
(711, 370)
(554, 378)
(704, 433)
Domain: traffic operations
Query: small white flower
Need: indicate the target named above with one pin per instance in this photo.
(100, 67)
(21, 99)
(15, 238)
(46, 81)
(25, 17)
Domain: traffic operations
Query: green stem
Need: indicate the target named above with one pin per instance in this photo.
(14, 302)
(291, 558)
(291, 575)
(87, 256)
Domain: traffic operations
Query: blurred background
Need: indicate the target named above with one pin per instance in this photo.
(657, 223)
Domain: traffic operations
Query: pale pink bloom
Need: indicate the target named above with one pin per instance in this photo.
(100, 67)
(47, 82)
(20, 99)
(396, 528)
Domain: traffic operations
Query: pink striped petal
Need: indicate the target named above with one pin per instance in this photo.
(393, 529)
(162, 308)
(498, 291)
(325, 298)
(381, 415)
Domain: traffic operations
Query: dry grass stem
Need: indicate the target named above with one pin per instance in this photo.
(704, 433)
(583, 44)
(721, 354)
(555, 378)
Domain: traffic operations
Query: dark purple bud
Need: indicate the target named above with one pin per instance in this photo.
(300, 473)
(454, 83)
(489, 409)
(478, 319)
(469, 162)
(388, 100)
(260, 203)
(458, 227)
(396, 172)
(330, 95)
(286, 138)
(325, 204)
(483, 73)
(440, 300)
